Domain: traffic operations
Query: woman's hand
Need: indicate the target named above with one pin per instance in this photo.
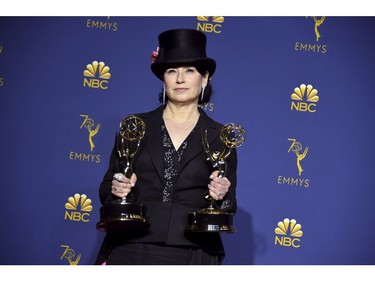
(121, 185)
(218, 186)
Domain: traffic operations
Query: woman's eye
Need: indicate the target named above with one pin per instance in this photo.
(171, 71)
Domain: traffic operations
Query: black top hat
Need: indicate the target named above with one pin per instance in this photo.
(182, 47)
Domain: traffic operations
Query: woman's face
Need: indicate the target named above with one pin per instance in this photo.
(184, 84)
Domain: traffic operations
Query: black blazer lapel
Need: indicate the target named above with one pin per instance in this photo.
(195, 143)
(153, 137)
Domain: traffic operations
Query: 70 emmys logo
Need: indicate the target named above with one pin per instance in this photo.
(69, 254)
(97, 74)
(318, 22)
(92, 130)
(311, 47)
(88, 123)
(300, 153)
(296, 147)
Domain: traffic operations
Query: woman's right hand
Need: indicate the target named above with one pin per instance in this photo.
(121, 185)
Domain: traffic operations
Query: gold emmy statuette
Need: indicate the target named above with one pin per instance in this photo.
(120, 216)
(212, 219)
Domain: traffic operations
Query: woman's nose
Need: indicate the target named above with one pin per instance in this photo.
(180, 75)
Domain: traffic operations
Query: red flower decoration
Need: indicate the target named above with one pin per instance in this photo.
(154, 55)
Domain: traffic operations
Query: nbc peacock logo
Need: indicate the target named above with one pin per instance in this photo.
(210, 24)
(96, 75)
(304, 98)
(78, 208)
(288, 233)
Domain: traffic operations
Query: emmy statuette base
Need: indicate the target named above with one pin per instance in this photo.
(210, 220)
(122, 218)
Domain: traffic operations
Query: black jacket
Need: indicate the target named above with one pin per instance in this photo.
(168, 220)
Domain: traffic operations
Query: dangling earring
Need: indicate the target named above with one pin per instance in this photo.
(202, 93)
(163, 95)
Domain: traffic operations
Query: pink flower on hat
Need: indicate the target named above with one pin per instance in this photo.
(154, 55)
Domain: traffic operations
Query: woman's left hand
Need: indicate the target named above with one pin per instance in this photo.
(218, 186)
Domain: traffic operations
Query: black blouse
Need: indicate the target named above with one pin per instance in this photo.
(171, 162)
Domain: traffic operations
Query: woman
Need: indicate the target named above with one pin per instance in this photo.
(171, 172)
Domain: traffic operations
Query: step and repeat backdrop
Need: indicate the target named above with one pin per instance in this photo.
(302, 87)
